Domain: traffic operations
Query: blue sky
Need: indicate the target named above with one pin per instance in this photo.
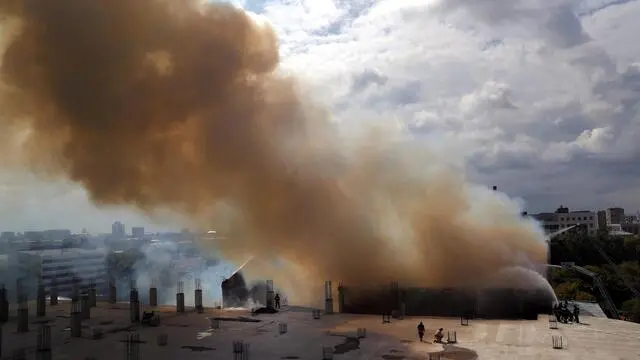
(538, 97)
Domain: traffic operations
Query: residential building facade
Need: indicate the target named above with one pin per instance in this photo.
(563, 218)
(61, 267)
(614, 216)
(118, 230)
(137, 232)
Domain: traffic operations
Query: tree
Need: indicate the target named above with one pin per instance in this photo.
(579, 248)
(567, 290)
(632, 307)
(584, 296)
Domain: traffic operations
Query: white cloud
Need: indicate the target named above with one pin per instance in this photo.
(540, 97)
(519, 84)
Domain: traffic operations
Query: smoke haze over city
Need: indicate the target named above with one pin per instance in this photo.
(158, 104)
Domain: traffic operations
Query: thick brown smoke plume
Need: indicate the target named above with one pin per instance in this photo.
(159, 103)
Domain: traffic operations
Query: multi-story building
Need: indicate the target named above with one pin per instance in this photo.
(117, 230)
(618, 223)
(602, 219)
(563, 218)
(7, 236)
(4, 270)
(614, 216)
(62, 267)
(56, 234)
(137, 232)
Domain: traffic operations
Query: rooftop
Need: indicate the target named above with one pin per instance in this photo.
(190, 336)
(60, 252)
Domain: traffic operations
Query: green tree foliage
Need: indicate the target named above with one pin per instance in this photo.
(575, 246)
(632, 308)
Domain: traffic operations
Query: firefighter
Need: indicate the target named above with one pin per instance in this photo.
(438, 336)
(421, 331)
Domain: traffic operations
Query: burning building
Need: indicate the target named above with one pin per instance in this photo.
(234, 291)
(491, 303)
(237, 293)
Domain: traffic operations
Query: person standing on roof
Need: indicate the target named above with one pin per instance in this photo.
(421, 331)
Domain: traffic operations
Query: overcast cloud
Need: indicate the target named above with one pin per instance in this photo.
(539, 97)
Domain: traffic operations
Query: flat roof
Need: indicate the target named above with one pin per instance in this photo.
(190, 336)
(67, 251)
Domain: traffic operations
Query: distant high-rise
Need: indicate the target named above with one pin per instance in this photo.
(137, 232)
(614, 216)
(117, 229)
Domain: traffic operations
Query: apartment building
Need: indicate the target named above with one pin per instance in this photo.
(563, 218)
(62, 267)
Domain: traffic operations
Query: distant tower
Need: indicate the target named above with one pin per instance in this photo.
(117, 229)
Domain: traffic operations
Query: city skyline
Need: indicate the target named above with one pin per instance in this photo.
(132, 228)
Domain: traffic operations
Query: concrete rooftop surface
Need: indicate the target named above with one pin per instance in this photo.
(190, 336)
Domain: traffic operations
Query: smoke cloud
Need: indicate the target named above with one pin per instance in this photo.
(175, 104)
